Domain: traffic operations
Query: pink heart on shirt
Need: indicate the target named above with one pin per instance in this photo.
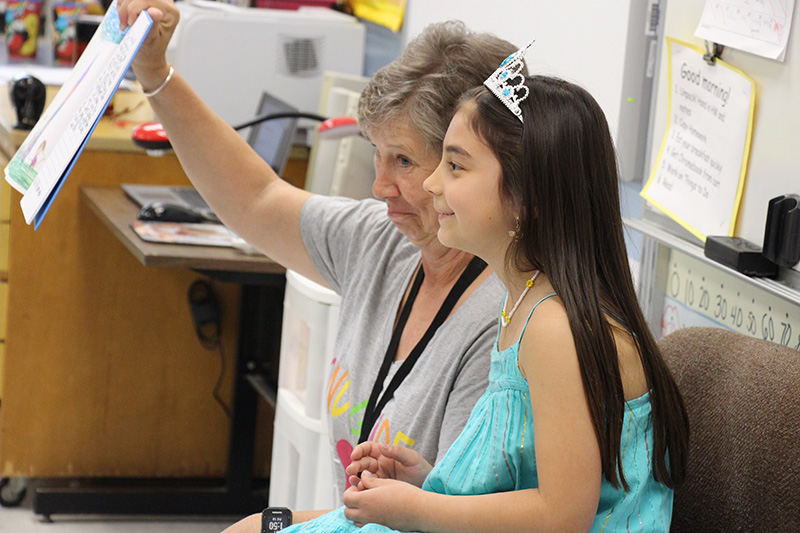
(344, 449)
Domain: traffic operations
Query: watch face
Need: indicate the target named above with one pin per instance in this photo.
(276, 523)
(275, 519)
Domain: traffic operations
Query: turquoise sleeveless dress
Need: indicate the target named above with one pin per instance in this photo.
(495, 453)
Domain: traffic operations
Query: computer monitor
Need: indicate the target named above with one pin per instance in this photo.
(272, 139)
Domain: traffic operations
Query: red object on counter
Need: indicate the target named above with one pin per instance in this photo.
(151, 136)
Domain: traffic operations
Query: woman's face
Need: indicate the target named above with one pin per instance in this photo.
(466, 194)
(402, 162)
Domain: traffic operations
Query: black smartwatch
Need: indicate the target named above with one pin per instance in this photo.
(275, 519)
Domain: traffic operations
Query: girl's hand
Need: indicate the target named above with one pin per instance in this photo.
(387, 462)
(150, 64)
(387, 502)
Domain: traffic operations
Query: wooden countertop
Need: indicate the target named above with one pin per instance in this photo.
(117, 211)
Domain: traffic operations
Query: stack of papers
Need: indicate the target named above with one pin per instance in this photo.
(185, 233)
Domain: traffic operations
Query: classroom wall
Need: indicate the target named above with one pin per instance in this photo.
(584, 42)
(773, 163)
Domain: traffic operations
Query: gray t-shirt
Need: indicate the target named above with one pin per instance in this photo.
(369, 263)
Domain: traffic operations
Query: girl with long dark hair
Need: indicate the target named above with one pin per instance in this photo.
(582, 427)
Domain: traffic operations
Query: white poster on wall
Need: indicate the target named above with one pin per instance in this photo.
(760, 28)
(699, 173)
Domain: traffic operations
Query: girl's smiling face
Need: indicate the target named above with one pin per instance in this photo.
(466, 193)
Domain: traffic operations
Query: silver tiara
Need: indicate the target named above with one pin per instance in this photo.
(508, 83)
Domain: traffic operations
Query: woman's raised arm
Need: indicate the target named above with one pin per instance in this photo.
(238, 185)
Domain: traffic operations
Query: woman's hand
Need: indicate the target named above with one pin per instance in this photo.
(388, 502)
(150, 64)
(388, 462)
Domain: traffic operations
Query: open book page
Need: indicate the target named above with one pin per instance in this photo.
(44, 160)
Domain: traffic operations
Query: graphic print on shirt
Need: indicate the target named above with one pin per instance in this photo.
(339, 404)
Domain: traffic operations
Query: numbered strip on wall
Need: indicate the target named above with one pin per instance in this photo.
(698, 294)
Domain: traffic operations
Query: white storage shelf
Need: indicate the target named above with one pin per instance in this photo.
(301, 474)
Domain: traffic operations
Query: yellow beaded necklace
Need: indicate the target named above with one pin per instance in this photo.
(505, 318)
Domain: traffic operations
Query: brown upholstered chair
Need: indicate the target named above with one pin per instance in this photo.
(743, 399)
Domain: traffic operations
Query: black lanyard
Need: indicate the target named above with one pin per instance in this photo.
(377, 401)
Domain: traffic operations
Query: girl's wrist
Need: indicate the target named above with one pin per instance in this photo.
(420, 503)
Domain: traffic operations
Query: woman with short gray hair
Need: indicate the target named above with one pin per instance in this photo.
(417, 319)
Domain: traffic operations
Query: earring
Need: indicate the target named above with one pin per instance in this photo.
(516, 232)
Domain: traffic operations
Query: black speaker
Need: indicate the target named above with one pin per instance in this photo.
(782, 232)
(28, 96)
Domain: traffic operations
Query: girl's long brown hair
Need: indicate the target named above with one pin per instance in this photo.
(560, 175)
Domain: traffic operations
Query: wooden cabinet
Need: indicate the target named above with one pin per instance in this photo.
(103, 374)
(5, 213)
